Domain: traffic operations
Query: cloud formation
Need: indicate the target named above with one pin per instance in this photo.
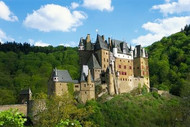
(53, 17)
(173, 7)
(74, 5)
(6, 14)
(98, 5)
(37, 43)
(161, 28)
(70, 44)
(4, 37)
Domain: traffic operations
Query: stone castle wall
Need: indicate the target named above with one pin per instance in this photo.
(21, 108)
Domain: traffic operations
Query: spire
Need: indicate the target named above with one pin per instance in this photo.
(89, 77)
(55, 72)
(130, 48)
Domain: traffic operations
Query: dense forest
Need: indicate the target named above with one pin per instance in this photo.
(169, 61)
(24, 66)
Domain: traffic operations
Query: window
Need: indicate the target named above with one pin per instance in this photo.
(76, 86)
(107, 60)
(104, 59)
(119, 66)
(142, 67)
(128, 61)
(84, 85)
(125, 67)
(143, 73)
(130, 67)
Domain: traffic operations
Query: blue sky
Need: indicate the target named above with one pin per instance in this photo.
(63, 22)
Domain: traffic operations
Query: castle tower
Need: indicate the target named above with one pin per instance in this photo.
(55, 77)
(110, 82)
(141, 68)
(87, 91)
(85, 50)
(81, 44)
(89, 77)
(88, 42)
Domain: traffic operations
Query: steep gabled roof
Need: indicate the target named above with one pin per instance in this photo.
(100, 43)
(121, 46)
(84, 74)
(93, 63)
(63, 76)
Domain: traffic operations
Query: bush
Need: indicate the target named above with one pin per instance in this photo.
(11, 118)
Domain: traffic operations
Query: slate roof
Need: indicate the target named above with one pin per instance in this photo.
(63, 76)
(81, 43)
(84, 73)
(121, 46)
(25, 91)
(93, 63)
(100, 43)
(140, 51)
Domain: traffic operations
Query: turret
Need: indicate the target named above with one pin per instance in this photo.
(124, 48)
(55, 77)
(88, 42)
(89, 81)
(81, 44)
(110, 81)
(140, 52)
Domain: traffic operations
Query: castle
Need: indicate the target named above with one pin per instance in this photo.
(110, 64)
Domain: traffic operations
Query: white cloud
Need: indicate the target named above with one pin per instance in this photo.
(161, 28)
(40, 43)
(70, 44)
(4, 37)
(74, 5)
(53, 17)
(98, 5)
(5, 13)
(173, 7)
(37, 43)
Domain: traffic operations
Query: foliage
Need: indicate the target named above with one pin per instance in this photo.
(149, 110)
(68, 123)
(70, 88)
(23, 66)
(59, 109)
(11, 118)
(169, 61)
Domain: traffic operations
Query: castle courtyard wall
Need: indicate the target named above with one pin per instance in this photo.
(21, 108)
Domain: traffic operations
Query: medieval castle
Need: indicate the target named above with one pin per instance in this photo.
(110, 64)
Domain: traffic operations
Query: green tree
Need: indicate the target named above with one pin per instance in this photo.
(11, 118)
(59, 109)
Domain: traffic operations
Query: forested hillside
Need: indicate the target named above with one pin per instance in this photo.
(169, 61)
(23, 66)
